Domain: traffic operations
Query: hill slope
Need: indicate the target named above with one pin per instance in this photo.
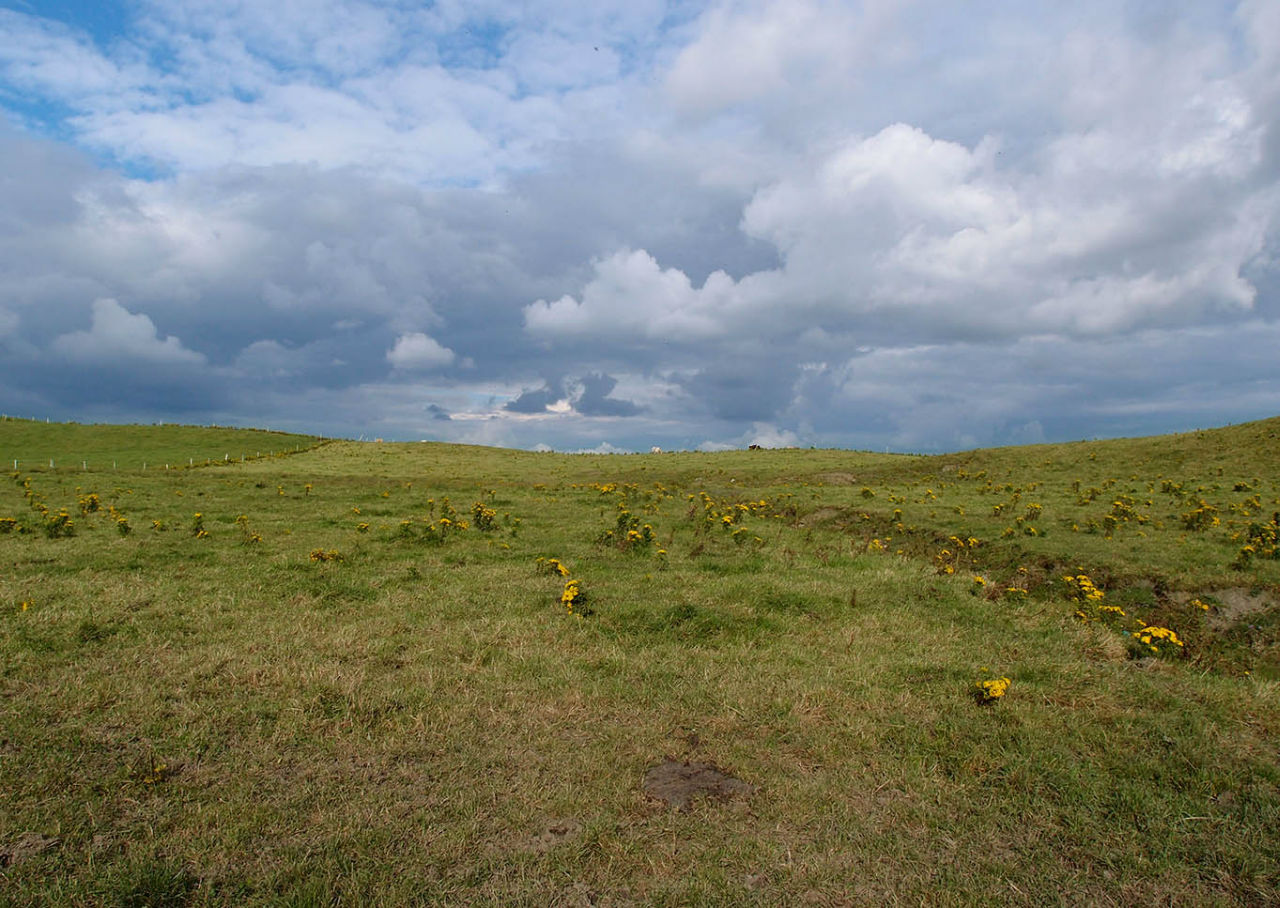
(355, 674)
(34, 445)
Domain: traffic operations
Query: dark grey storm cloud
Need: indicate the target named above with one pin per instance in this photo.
(594, 399)
(536, 400)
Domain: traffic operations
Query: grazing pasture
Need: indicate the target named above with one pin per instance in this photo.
(358, 673)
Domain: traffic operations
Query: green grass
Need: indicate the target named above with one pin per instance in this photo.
(33, 445)
(213, 720)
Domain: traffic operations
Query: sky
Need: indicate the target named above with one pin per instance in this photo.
(632, 223)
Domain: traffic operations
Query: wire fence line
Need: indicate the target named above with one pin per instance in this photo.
(73, 464)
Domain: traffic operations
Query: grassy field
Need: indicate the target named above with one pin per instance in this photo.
(26, 445)
(345, 673)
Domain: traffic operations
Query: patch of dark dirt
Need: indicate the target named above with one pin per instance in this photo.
(821, 517)
(1231, 605)
(678, 783)
(28, 845)
(551, 835)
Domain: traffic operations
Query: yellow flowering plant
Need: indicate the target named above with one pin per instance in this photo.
(1155, 641)
(484, 518)
(552, 566)
(955, 554)
(574, 599)
(59, 525)
(989, 690)
(1081, 588)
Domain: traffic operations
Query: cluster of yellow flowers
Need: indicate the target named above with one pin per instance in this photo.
(485, 518)
(322, 555)
(726, 514)
(1262, 541)
(552, 566)
(58, 525)
(250, 538)
(1082, 589)
(156, 772)
(641, 537)
(1154, 637)
(954, 554)
(1202, 517)
(991, 689)
(628, 533)
(573, 597)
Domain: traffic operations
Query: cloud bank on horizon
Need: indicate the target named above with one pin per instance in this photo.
(860, 224)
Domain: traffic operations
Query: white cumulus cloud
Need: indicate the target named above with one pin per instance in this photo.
(119, 337)
(419, 352)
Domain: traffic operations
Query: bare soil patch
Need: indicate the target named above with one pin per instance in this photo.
(821, 516)
(678, 783)
(28, 845)
(1231, 604)
(552, 834)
